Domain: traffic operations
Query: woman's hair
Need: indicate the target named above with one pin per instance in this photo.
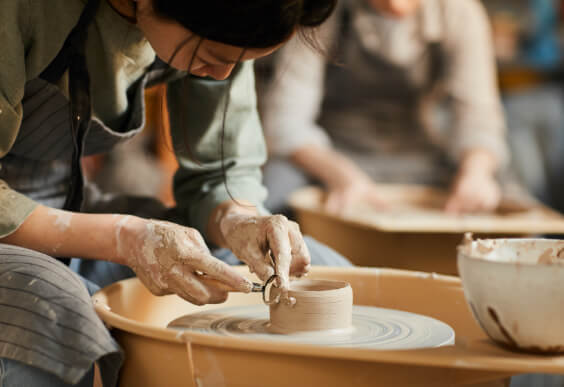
(243, 23)
(246, 23)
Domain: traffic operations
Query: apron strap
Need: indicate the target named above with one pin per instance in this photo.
(73, 43)
(72, 57)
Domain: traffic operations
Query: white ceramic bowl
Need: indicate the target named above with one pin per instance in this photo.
(515, 288)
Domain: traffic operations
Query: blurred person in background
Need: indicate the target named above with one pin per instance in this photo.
(412, 98)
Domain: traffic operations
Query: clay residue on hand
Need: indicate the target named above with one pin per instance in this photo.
(246, 237)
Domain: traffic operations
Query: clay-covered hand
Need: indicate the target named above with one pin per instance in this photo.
(341, 196)
(474, 191)
(255, 239)
(169, 258)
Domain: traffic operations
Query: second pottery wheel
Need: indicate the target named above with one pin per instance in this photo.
(374, 328)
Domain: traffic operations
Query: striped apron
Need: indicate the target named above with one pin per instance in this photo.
(47, 319)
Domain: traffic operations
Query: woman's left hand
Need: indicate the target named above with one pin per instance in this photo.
(267, 244)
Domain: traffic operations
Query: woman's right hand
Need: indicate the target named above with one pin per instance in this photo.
(169, 258)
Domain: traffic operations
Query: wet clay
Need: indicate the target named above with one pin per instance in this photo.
(268, 245)
(312, 305)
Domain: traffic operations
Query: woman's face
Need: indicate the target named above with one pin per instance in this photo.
(396, 8)
(209, 58)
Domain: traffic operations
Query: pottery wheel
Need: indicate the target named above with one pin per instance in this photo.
(374, 328)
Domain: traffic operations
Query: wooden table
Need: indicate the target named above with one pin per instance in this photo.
(413, 232)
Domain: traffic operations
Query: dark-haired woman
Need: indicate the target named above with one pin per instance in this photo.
(72, 75)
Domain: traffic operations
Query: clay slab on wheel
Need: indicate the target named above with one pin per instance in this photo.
(374, 328)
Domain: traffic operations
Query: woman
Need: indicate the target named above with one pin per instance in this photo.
(101, 54)
(372, 116)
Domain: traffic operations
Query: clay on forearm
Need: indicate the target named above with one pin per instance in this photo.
(66, 234)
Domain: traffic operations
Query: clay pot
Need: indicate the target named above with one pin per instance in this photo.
(515, 288)
(319, 305)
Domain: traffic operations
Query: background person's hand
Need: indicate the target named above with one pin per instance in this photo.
(341, 196)
(254, 239)
(346, 182)
(169, 258)
(475, 187)
(474, 192)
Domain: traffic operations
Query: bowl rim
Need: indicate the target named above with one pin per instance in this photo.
(462, 252)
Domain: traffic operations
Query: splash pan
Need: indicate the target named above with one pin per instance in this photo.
(157, 355)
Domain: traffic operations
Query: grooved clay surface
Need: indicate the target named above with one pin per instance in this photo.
(375, 328)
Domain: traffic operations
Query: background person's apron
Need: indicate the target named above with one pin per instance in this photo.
(373, 111)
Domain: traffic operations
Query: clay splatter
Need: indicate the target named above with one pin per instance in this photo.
(62, 219)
